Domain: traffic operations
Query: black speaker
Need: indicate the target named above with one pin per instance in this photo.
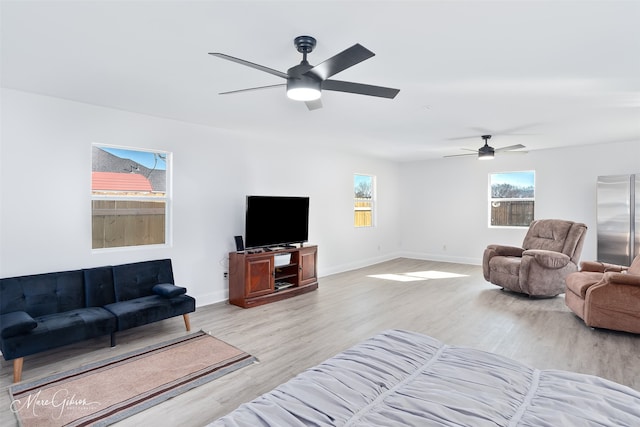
(239, 243)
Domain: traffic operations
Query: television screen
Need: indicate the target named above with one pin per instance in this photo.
(276, 220)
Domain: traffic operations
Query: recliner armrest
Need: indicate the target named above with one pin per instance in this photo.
(497, 250)
(503, 250)
(600, 267)
(622, 279)
(548, 259)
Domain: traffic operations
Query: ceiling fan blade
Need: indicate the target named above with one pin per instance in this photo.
(250, 64)
(513, 130)
(502, 153)
(359, 88)
(462, 137)
(510, 147)
(252, 88)
(345, 59)
(314, 105)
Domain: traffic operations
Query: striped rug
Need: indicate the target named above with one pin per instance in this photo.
(105, 392)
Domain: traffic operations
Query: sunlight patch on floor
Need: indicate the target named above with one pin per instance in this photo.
(417, 275)
(396, 277)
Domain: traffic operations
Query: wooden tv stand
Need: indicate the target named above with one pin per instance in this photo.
(255, 279)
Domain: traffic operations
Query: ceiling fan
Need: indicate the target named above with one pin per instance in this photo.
(486, 152)
(305, 82)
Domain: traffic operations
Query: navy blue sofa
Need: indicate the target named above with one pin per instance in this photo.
(44, 311)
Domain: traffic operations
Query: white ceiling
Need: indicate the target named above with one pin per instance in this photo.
(539, 73)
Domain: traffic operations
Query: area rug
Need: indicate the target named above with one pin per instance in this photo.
(105, 392)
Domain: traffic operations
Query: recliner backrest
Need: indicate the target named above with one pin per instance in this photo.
(634, 268)
(556, 235)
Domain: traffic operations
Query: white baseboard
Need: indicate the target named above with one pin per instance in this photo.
(388, 257)
(441, 258)
(214, 297)
(357, 264)
(211, 298)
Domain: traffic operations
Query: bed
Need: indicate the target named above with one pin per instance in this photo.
(402, 378)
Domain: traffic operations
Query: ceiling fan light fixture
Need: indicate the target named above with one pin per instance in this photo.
(303, 94)
(485, 156)
(486, 152)
(303, 89)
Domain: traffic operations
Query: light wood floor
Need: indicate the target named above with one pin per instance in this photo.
(292, 335)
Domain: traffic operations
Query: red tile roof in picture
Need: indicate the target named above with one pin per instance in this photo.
(114, 181)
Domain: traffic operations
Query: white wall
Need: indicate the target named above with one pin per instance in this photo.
(423, 207)
(445, 202)
(45, 180)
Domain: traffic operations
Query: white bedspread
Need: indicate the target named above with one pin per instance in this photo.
(401, 378)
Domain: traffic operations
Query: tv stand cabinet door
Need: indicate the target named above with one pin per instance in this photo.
(307, 265)
(259, 276)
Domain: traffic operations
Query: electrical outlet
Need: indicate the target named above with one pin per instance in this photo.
(225, 275)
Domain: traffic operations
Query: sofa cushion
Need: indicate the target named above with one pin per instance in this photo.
(42, 294)
(58, 329)
(16, 323)
(168, 290)
(145, 310)
(505, 270)
(136, 280)
(98, 285)
(505, 265)
(579, 282)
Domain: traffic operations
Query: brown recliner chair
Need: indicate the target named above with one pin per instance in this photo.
(606, 295)
(550, 251)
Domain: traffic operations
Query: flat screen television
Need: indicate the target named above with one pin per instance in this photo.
(276, 221)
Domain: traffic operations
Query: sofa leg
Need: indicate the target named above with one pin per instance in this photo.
(113, 339)
(17, 369)
(187, 323)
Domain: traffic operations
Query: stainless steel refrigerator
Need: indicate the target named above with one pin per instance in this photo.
(618, 200)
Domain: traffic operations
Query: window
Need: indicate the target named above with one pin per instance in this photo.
(511, 198)
(363, 200)
(129, 197)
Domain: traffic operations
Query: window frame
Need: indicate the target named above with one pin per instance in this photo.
(492, 200)
(167, 198)
(372, 201)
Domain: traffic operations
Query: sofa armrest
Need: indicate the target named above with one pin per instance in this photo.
(168, 290)
(548, 259)
(600, 267)
(16, 323)
(503, 250)
(622, 279)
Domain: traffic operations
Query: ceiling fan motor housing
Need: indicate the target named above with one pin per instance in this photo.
(304, 44)
(486, 151)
